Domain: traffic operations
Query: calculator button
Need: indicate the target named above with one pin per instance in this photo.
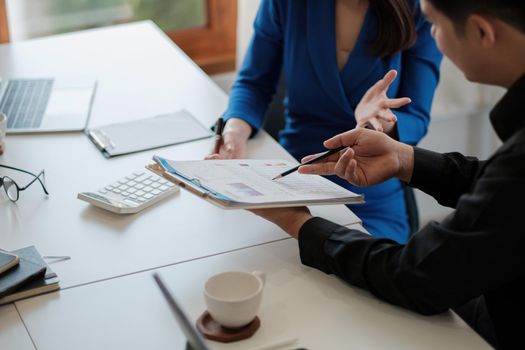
(142, 177)
(135, 191)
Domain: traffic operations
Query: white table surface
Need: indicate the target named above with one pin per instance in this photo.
(140, 73)
(298, 302)
(13, 334)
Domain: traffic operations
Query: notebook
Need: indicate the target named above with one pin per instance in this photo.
(47, 282)
(7, 261)
(247, 183)
(148, 133)
(26, 271)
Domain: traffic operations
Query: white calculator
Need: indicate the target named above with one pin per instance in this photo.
(132, 193)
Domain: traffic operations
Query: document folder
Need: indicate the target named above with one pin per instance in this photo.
(148, 133)
(247, 184)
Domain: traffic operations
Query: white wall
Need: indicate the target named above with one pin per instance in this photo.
(459, 115)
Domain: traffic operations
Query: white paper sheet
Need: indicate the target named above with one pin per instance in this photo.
(250, 181)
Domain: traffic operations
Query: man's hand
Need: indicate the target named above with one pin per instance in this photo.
(289, 219)
(372, 158)
(234, 139)
(375, 106)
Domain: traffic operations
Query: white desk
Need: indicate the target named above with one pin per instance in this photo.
(298, 302)
(13, 334)
(140, 73)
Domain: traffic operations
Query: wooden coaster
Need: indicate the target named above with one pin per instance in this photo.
(214, 331)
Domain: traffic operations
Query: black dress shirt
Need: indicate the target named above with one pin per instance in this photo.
(477, 251)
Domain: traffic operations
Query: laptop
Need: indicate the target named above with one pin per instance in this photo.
(46, 105)
(194, 339)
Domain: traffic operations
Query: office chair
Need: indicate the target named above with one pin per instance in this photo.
(274, 122)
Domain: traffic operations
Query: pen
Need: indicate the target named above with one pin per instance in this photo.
(219, 125)
(367, 125)
(322, 156)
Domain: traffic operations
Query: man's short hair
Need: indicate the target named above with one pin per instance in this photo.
(509, 11)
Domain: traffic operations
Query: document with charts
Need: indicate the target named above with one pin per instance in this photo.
(248, 184)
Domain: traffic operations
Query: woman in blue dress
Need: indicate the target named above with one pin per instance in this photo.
(331, 52)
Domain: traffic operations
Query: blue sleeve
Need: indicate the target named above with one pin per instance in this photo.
(419, 79)
(259, 73)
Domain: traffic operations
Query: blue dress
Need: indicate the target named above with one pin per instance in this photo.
(298, 36)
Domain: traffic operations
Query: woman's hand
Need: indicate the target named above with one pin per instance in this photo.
(371, 158)
(289, 219)
(375, 107)
(234, 139)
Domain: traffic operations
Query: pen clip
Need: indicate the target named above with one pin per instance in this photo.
(100, 139)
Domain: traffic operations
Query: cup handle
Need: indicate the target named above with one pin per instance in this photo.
(260, 275)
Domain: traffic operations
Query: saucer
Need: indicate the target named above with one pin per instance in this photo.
(214, 331)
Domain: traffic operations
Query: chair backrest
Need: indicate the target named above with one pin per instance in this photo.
(412, 209)
(274, 122)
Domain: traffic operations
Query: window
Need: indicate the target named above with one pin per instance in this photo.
(204, 29)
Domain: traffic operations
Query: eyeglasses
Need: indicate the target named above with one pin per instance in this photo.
(12, 190)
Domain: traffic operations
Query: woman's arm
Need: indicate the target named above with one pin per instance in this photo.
(419, 76)
(259, 74)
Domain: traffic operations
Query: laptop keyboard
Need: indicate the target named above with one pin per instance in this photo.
(25, 102)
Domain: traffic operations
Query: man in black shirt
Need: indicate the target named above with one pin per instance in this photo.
(474, 260)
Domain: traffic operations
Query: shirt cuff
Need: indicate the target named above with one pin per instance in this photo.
(312, 237)
(426, 163)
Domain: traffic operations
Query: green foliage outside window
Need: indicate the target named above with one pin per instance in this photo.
(68, 15)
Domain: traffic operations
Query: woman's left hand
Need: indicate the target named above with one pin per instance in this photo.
(375, 107)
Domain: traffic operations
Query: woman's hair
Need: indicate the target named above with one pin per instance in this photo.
(397, 27)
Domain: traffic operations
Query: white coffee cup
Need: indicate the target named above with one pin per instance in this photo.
(233, 298)
(3, 130)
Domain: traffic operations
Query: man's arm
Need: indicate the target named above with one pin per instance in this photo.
(475, 250)
(444, 176)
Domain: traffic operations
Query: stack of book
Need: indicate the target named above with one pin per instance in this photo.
(24, 273)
